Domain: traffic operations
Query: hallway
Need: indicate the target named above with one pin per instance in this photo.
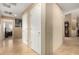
(18, 29)
(70, 47)
(46, 32)
(14, 47)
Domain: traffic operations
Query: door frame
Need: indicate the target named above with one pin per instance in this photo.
(2, 21)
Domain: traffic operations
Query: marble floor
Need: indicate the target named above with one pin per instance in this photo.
(14, 47)
(70, 47)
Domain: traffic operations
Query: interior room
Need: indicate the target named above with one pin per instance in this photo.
(39, 28)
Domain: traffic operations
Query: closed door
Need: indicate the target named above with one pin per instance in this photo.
(35, 17)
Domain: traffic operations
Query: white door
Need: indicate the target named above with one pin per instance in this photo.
(36, 28)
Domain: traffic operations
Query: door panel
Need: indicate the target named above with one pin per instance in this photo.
(35, 16)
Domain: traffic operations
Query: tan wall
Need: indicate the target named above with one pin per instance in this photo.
(43, 20)
(58, 27)
(48, 28)
(17, 33)
(52, 27)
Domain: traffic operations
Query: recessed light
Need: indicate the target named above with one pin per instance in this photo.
(7, 12)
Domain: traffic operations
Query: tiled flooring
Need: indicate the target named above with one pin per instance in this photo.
(14, 47)
(70, 47)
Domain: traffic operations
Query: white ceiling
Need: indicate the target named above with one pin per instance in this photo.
(69, 6)
(17, 8)
(12, 9)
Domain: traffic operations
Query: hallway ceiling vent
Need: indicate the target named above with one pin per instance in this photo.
(6, 5)
(8, 12)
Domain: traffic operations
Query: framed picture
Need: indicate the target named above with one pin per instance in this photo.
(18, 23)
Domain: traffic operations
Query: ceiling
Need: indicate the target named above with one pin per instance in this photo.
(68, 7)
(13, 9)
(16, 9)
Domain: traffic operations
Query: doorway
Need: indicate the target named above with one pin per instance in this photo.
(7, 28)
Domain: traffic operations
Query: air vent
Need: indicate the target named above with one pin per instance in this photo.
(8, 12)
(6, 5)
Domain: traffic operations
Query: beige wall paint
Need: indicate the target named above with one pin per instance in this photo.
(43, 21)
(58, 27)
(17, 33)
(54, 28)
(48, 28)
